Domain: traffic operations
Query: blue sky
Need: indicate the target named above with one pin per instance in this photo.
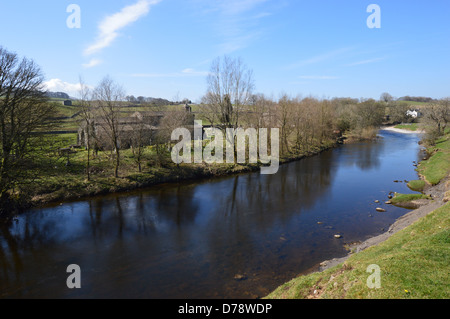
(164, 48)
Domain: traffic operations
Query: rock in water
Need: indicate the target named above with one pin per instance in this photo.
(240, 277)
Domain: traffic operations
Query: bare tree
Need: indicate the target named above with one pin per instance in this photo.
(369, 113)
(141, 136)
(108, 95)
(130, 98)
(285, 112)
(386, 97)
(140, 99)
(230, 86)
(438, 115)
(398, 113)
(24, 109)
(172, 119)
(86, 113)
(258, 112)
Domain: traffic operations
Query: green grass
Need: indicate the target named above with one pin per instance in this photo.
(416, 185)
(411, 127)
(413, 263)
(443, 144)
(401, 198)
(414, 103)
(437, 166)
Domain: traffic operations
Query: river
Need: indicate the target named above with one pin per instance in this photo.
(231, 237)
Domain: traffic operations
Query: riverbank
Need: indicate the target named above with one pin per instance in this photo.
(413, 254)
(75, 186)
(402, 130)
(412, 257)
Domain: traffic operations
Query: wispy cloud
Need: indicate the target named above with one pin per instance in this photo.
(318, 77)
(237, 22)
(236, 7)
(184, 73)
(366, 61)
(110, 26)
(321, 58)
(92, 63)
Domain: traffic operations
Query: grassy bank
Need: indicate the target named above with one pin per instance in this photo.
(417, 185)
(401, 198)
(437, 166)
(63, 177)
(410, 127)
(413, 262)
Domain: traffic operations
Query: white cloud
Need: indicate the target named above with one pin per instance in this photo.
(321, 58)
(188, 72)
(109, 27)
(92, 63)
(57, 85)
(366, 61)
(237, 23)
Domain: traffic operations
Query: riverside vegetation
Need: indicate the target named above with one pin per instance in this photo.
(41, 161)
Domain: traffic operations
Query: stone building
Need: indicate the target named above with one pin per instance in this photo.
(140, 127)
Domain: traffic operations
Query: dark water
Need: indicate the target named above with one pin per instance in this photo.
(190, 240)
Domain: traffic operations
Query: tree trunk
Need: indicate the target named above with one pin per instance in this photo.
(116, 168)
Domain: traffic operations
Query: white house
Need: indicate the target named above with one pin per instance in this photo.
(412, 113)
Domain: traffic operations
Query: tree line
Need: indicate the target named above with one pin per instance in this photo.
(306, 124)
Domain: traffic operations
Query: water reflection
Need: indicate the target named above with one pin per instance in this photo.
(191, 239)
(368, 155)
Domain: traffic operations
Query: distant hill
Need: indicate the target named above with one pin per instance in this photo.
(153, 101)
(422, 99)
(141, 100)
(58, 95)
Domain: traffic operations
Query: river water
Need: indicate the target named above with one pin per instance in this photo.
(232, 237)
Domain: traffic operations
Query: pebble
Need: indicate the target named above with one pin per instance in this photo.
(239, 277)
